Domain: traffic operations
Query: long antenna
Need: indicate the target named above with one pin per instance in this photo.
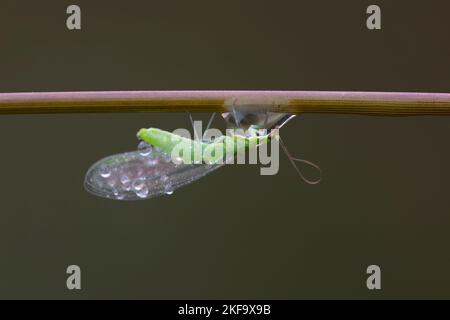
(363, 103)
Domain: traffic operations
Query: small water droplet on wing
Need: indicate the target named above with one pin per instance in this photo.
(124, 179)
(105, 171)
(144, 148)
(138, 184)
(143, 192)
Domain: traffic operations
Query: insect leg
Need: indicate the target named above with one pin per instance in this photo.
(266, 119)
(235, 114)
(209, 124)
(193, 126)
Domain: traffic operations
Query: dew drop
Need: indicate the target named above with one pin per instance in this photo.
(105, 171)
(127, 186)
(124, 179)
(116, 192)
(144, 148)
(120, 197)
(138, 184)
(168, 189)
(143, 192)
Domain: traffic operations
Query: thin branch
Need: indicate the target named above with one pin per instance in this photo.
(364, 103)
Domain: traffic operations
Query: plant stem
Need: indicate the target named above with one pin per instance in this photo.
(364, 103)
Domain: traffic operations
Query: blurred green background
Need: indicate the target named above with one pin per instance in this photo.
(234, 234)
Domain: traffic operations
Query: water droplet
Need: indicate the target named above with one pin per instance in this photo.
(143, 192)
(124, 179)
(144, 148)
(168, 189)
(120, 197)
(127, 186)
(105, 171)
(138, 184)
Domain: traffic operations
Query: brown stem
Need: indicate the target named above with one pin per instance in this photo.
(364, 103)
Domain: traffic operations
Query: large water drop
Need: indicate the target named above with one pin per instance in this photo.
(138, 184)
(144, 148)
(143, 192)
(105, 171)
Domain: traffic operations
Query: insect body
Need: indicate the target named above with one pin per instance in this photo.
(152, 172)
(167, 161)
(210, 153)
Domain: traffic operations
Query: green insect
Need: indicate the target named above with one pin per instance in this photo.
(209, 152)
(166, 161)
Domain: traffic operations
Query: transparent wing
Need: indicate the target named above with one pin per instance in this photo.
(137, 175)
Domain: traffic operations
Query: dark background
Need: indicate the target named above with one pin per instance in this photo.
(234, 234)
